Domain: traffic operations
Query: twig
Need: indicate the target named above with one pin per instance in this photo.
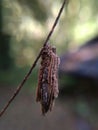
(34, 64)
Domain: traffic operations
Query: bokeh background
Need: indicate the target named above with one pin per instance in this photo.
(24, 26)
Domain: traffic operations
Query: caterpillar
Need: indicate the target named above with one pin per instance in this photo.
(47, 89)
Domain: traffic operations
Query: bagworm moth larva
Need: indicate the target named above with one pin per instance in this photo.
(47, 89)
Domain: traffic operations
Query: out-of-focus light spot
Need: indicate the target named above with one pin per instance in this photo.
(26, 58)
(31, 27)
(28, 53)
(49, 23)
(85, 14)
(73, 7)
(55, 9)
(97, 23)
(83, 31)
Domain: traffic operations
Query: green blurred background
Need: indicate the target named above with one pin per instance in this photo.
(24, 26)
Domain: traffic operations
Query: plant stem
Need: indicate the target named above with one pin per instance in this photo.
(34, 64)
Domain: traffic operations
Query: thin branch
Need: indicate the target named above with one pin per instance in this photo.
(34, 64)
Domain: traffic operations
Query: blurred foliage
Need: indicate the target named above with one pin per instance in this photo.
(15, 76)
(29, 21)
(37, 7)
